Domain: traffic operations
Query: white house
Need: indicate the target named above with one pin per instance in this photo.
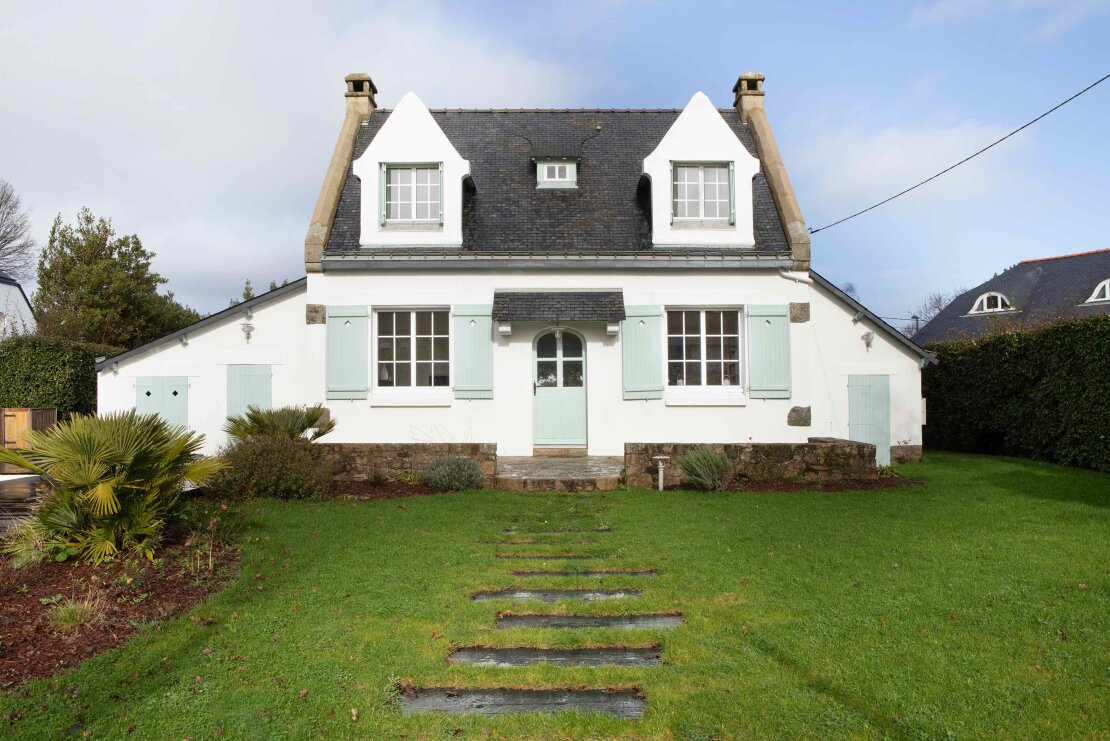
(570, 280)
(16, 316)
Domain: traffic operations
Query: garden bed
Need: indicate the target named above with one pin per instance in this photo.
(131, 594)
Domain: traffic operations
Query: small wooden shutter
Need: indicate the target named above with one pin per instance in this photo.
(167, 396)
(248, 386)
(768, 352)
(642, 352)
(472, 338)
(382, 179)
(869, 413)
(346, 357)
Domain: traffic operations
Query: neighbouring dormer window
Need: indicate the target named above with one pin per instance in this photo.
(556, 174)
(990, 303)
(702, 192)
(1101, 292)
(413, 193)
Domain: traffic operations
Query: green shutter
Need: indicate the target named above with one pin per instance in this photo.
(472, 337)
(670, 195)
(167, 396)
(642, 352)
(731, 192)
(346, 357)
(247, 386)
(381, 195)
(769, 352)
(442, 192)
(869, 413)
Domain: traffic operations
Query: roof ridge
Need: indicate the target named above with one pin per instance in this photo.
(556, 110)
(1061, 257)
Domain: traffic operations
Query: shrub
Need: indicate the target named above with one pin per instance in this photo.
(1041, 393)
(42, 372)
(113, 483)
(70, 615)
(293, 422)
(272, 465)
(706, 468)
(453, 473)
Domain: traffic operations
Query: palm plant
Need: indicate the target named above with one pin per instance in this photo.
(293, 422)
(112, 482)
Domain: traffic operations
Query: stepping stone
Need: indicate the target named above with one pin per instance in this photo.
(506, 657)
(585, 572)
(625, 703)
(552, 556)
(555, 595)
(616, 622)
(551, 531)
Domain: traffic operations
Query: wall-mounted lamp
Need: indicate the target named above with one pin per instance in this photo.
(504, 328)
(184, 340)
(612, 329)
(248, 329)
(867, 337)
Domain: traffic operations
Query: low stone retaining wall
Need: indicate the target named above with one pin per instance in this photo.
(905, 453)
(820, 459)
(377, 461)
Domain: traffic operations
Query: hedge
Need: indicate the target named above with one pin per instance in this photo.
(1039, 393)
(42, 372)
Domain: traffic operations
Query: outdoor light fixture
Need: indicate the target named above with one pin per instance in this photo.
(248, 329)
(868, 338)
(661, 463)
(504, 329)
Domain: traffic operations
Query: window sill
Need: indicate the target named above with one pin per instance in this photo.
(412, 226)
(556, 185)
(719, 224)
(441, 397)
(702, 397)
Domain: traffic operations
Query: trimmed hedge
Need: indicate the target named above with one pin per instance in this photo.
(43, 372)
(1039, 393)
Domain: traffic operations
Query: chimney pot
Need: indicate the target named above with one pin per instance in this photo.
(359, 85)
(748, 86)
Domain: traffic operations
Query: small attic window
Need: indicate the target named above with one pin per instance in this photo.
(1101, 294)
(991, 303)
(556, 174)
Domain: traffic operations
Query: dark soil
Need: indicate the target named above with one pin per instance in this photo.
(892, 482)
(372, 490)
(135, 591)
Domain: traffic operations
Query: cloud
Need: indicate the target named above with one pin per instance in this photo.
(206, 127)
(1051, 18)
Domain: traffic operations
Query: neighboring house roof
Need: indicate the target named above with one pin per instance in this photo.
(504, 212)
(297, 285)
(552, 306)
(6, 279)
(1040, 291)
(863, 311)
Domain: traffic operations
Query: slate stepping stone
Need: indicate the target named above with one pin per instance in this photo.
(585, 572)
(624, 703)
(507, 657)
(552, 556)
(555, 595)
(616, 622)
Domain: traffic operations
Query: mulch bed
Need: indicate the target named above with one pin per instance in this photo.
(891, 482)
(374, 490)
(135, 591)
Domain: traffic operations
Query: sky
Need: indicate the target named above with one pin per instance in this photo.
(206, 127)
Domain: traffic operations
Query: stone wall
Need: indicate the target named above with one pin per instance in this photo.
(820, 459)
(376, 461)
(905, 453)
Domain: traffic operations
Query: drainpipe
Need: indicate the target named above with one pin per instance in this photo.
(797, 279)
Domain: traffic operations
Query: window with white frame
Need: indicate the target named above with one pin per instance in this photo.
(701, 192)
(413, 348)
(413, 193)
(556, 174)
(1101, 292)
(990, 303)
(703, 347)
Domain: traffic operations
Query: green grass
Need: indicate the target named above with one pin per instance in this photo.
(949, 609)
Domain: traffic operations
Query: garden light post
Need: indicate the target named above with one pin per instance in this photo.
(660, 462)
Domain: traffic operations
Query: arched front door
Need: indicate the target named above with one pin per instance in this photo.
(559, 385)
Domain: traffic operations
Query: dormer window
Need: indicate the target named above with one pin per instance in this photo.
(702, 193)
(991, 303)
(556, 174)
(1101, 293)
(413, 194)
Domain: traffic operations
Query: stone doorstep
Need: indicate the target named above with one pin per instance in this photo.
(623, 703)
(559, 452)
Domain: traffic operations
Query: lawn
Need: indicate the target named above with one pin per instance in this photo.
(977, 604)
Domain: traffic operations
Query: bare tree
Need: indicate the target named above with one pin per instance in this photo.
(933, 304)
(850, 289)
(16, 246)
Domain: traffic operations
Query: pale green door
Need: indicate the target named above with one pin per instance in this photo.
(247, 386)
(559, 378)
(164, 395)
(869, 413)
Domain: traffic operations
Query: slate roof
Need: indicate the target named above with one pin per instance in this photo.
(504, 211)
(547, 306)
(1042, 290)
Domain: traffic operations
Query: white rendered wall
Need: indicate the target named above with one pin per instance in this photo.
(16, 312)
(700, 135)
(824, 351)
(411, 136)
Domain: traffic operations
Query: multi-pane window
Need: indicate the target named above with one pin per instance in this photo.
(412, 193)
(701, 192)
(413, 348)
(703, 347)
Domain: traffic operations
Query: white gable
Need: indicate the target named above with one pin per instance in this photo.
(701, 135)
(15, 312)
(411, 136)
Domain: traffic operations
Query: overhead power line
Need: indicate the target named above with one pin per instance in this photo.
(965, 159)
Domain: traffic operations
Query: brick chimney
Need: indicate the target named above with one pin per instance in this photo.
(360, 105)
(749, 103)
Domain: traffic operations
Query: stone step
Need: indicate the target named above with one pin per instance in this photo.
(554, 595)
(623, 703)
(508, 621)
(585, 572)
(524, 656)
(562, 484)
(553, 452)
(563, 556)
